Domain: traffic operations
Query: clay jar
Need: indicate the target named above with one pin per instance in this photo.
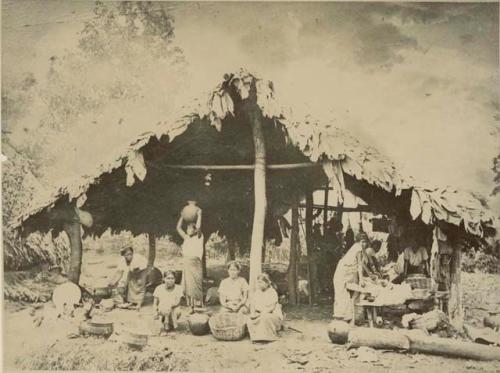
(190, 212)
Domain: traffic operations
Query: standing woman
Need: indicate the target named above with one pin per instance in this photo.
(266, 317)
(192, 252)
(349, 270)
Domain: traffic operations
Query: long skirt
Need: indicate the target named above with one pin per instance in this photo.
(192, 278)
(264, 328)
(136, 286)
(344, 305)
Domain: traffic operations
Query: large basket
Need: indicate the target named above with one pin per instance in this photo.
(419, 282)
(228, 326)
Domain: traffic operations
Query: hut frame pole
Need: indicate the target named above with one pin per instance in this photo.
(309, 244)
(292, 267)
(283, 166)
(325, 210)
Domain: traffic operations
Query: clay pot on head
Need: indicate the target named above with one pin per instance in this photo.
(190, 212)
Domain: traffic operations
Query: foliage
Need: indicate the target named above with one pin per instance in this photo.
(496, 170)
(94, 354)
(480, 261)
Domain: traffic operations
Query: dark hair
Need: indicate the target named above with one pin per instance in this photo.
(265, 277)
(125, 249)
(233, 263)
(168, 272)
(376, 244)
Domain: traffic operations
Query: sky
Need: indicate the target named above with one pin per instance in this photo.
(418, 81)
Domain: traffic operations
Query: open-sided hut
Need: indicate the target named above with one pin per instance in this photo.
(247, 160)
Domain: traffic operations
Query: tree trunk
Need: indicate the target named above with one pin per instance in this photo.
(152, 250)
(309, 243)
(292, 267)
(230, 250)
(259, 217)
(73, 230)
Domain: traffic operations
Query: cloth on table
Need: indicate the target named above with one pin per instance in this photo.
(266, 326)
(192, 277)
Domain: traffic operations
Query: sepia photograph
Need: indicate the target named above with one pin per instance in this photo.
(250, 186)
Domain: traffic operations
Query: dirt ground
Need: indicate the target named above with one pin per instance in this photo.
(49, 346)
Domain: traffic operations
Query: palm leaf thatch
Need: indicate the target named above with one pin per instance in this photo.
(344, 159)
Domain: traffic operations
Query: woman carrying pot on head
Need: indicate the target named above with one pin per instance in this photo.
(265, 318)
(349, 270)
(192, 252)
(130, 279)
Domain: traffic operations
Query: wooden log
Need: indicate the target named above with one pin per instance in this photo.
(292, 267)
(452, 348)
(378, 339)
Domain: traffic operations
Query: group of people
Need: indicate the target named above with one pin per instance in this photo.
(360, 262)
(263, 312)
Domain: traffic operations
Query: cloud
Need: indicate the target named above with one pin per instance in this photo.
(381, 44)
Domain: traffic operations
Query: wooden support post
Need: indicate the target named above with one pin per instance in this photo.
(260, 195)
(74, 232)
(204, 257)
(292, 267)
(152, 250)
(455, 305)
(309, 243)
(325, 210)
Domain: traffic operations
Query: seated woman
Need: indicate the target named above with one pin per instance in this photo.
(130, 279)
(167, 299)
(233, 291)
(266, 317)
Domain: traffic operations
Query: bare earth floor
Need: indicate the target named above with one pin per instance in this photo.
(48, 346)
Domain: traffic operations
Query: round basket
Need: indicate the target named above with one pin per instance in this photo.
(227, 326)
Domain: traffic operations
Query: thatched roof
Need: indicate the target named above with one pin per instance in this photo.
(345, 160)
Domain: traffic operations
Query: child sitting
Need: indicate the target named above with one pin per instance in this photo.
(233, 291)
(167, 298)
